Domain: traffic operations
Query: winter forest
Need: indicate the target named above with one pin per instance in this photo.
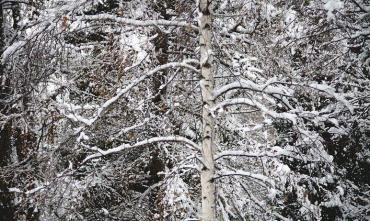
(184, 110)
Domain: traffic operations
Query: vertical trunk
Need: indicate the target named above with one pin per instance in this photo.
(207, 84)
(6, 205)
(157, 163)
(161, 48)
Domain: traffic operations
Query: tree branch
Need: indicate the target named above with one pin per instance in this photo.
(133, 22)
(246, 84)
(122, 91)
(172, 139)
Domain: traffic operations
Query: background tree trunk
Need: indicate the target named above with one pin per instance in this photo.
(6, 206)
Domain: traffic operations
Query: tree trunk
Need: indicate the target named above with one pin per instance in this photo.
(207, 84)
(6, 199)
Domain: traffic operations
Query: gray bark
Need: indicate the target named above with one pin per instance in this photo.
(207, 85)
(6, 206)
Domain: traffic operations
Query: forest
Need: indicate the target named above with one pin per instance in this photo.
(184, 110)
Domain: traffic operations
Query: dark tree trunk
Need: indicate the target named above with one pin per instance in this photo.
(7, 208)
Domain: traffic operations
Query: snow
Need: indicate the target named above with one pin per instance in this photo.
(121, 91)
(137, 43)
(340, 190)
(173, 139)
(256, 176)
(176, 201)
(272, 193)
(334, 201)
(82, 137)
(135, 22)
(105, 211)
(190, 133)
(331, 6)
(253, 103)
(283, 169)
(294, 28)
(269, 11)
(78, 118)
(242, 144)
(337, 131)
(247, 84)
(331, 91)
(14, 190)
(290, 16)
(10, 50)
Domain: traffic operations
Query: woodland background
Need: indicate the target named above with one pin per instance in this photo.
(103, 105)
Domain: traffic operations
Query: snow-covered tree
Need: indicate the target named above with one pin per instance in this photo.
(186, 110)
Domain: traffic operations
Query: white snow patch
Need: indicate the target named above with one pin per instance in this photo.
(15, 190)
(11, 50)
(331, 6)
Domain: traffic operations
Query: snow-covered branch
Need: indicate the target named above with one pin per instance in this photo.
(133, 22)
(172, 139)
(122, 91)
(28, 192)
(247, 84)
(331, 92)
(275, 151)
(127, 129)
(256, 104)
(282, 90)
(255, 176)
(240, 153)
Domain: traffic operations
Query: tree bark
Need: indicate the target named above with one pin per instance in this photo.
(207, 85)
(6, 206)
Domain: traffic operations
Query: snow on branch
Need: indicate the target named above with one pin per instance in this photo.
(246, 101)
(255, 176)
(122, 91)
(45, 23)
(331, 92)
(275, 151)
(28, 192)
(133, 22)
(9, 51)
(240, 153)
(247, 84)
(127, 129)
(172, 139)
(267, 88)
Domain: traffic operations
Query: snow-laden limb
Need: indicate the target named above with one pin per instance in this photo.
(28, 192)
(277, 215)
(275, 151)
(240, 153)
(331, 91)
(246, 101)
(283, 91)
(250, 85)
(78, 118)
(9, 51)
(127, 129)
(120, 92)
(47, 21)
(133, 22)
(172, 139)
(34, 190)
(14, 190)
(332, 6)
(256, 176)
(176, 200)
(226, 210)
